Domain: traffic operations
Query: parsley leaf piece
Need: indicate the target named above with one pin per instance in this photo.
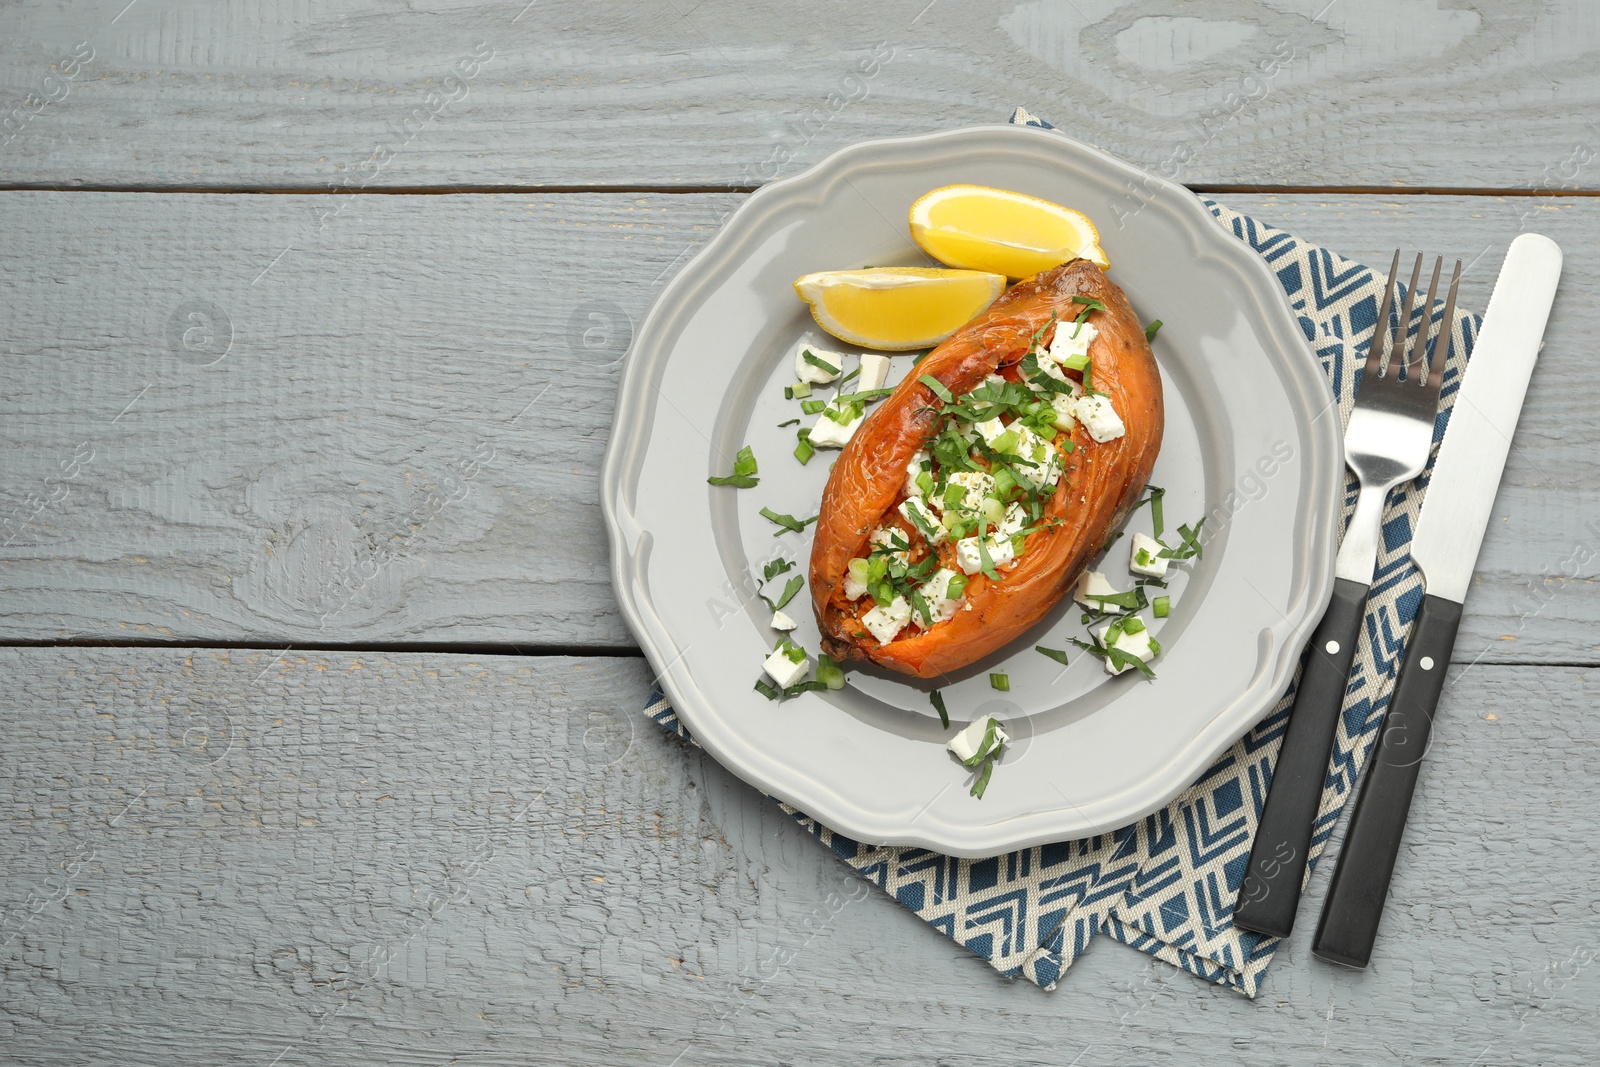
(818, 362)
(936, 698)
(793, 586)
(766, 689)
(1057, 654)
(938, 388)
(744, 469)
(788, 522)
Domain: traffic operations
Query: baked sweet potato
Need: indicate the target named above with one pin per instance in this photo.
(900, 535)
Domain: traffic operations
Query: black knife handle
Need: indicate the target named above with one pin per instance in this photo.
(1354, 906)
(1271, 890)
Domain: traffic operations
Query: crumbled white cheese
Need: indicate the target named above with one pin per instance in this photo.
(914, 468)
(1064, 344)
(967, 554)
(977, 485)
(1064, 404)
(936, 591)
(888, 538)
(885, 623)
(1150, 564)
(785, 671)
(919, 516)
(874, 371)
(807, 372)
(829, 434)
(966, 744)
(781, 621)
(1094, 583)
(1137, 645)
(1031, 446)
(1099, 417)
(1015, 519)
(989, 429)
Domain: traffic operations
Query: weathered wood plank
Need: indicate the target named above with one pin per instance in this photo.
(287, 94)
(217, 856)
(311, 486)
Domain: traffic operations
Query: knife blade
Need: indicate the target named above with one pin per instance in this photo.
(1455, 513)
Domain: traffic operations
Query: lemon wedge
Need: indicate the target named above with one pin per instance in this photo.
(979, 228)
(897, 308)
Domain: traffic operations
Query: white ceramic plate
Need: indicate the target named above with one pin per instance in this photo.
(1252, 442)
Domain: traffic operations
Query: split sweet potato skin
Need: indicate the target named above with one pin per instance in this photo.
(1100, 484)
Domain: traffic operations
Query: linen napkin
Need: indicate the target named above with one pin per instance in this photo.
(1166, 884)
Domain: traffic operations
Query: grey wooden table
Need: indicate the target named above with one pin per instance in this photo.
(319, 738)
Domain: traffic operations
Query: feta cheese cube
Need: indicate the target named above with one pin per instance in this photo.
(977, 484)
(785, 671)
(885, 623)
(1094, 583)
(936, 591)
(1031, 446)
(914, 468)
(989, 429)
(967, 744)
(829, 434)
(1143, 557)
(1133, 644)
(1099, 417)
(1064, 344)
(971, 561)
(781, 621)
(810, 372)
(923, 521)
(874, 371)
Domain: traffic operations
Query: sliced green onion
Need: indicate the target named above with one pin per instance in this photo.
(829, 672)
(1161, 606)
(925, 483)
(919, 604)
(1004, 481)
(937, 699)
(818, 361)
(1057, 654)
(797, 391)
(1000, 681)
(812, 407)
(858, 569)
(789, 423)
(1134, 625)
(1155, 647)
(957, 587)
(1150, 330)
(744, 469)
(1076, 361)
(1006, 441)
(938, 388)
(805, 449)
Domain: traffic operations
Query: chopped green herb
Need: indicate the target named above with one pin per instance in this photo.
(985, 562)
(1161, 606)
(788, 522)
(804, 687)
(1057, 654)
(920, 356)
(1150, 330)
(1113, 539)
(786, 425)
(797, 391)
(1190, 547)
(937, 699)
(1076, 361)
(956, 588)
(812, 407)
(982, 784)
(938, 388)
(776, 567)
(999, 681)
(1134, 625)
(744, 470)
(793, 586)
(766, 689)
(818, 361)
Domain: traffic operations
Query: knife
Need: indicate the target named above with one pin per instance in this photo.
(1449, 532)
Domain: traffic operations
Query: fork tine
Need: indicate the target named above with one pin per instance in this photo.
(1446, 338)
(1381, 334)
(1417, 364)
(1405, 317)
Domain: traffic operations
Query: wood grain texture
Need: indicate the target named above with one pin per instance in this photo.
(223, 857)
(290, 94)
(310, 486)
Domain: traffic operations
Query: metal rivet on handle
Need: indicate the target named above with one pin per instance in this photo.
(1332, 648)
(1427, 663)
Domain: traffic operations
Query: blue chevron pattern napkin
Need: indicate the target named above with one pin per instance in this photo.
(1166, 884)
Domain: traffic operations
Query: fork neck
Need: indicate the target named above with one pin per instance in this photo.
(1358, 552)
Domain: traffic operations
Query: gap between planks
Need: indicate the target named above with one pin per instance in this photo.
(462, 648)
(1224, 189)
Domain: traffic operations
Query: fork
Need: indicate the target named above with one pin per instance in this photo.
(1386, 443)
